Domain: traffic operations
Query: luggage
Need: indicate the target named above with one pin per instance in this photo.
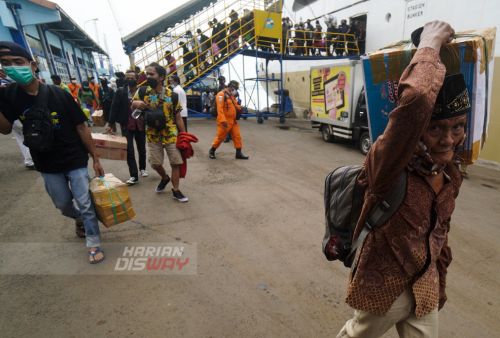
(111, 200)
(470, 53)
(344, 199)
(110, 147)
(98, 118)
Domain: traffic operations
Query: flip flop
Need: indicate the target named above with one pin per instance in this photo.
(80, 228)
(93, 253)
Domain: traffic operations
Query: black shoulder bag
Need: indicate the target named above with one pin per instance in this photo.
(38, 130)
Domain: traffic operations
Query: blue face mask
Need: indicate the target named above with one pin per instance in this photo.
(20, 74)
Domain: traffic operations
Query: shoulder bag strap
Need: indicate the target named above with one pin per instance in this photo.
(42, 99)
(380, 214)
(142, 92)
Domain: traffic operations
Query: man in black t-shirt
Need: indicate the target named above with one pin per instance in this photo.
(64, 167)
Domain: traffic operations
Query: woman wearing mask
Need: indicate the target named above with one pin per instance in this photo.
(87, 97)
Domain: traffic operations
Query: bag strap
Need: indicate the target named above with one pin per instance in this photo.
(175, 99)
(382, 211)
(42, 99)
(142, 92)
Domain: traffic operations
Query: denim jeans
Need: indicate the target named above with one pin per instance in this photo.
(62, 188)
(90, 108)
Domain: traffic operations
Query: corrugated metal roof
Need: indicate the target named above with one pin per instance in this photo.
(163, 23)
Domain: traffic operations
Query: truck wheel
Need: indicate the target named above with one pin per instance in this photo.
(260, 120)
(365, 143)
(266, 117)
(244, 117)
(325, 132)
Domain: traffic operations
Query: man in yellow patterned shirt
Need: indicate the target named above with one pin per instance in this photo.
(156, 96)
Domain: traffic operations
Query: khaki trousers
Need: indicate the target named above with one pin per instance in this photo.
(401, 314)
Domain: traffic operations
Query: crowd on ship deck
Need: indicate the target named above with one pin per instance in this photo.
(198, 53)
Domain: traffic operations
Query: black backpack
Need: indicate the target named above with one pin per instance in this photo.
(213, 106)
(155, 117)
(38, 129)
(344, 199)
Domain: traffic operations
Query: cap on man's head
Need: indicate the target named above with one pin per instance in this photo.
(14, 50)
(221, 78)
(235, 84)
(452, 99)
(72, 78)
(91, 78)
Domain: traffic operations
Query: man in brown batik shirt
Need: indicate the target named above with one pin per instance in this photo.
(400, 276)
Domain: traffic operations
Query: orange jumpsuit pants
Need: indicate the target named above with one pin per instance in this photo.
(226, 112)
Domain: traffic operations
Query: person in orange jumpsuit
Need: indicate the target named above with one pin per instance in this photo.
(74, 87)
(95, 87)
(226, 120)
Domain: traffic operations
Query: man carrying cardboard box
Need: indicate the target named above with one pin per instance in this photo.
(59, 141)
(398, 277)
(121, 112)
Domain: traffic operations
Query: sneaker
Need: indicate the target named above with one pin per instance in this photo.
(179, 196)
(30, 167)
(132, 181)
(163, 184)
(144, 173)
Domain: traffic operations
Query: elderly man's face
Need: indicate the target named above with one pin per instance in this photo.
(443, 136)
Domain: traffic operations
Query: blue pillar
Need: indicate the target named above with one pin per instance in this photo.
(65, 56)
(49, 51)
(17, 34)
(77, 64)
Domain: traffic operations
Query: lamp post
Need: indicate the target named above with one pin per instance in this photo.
(95, 19)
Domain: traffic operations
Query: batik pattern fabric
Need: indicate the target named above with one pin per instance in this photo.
(154, 100)
(411, 248)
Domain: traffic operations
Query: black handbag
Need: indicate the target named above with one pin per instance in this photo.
(155, 118)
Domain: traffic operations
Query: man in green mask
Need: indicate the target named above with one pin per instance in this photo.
(63, 165)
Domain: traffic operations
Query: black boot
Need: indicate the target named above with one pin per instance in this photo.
(212, 153)
(240, 156)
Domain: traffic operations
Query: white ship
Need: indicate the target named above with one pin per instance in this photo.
(386, 21)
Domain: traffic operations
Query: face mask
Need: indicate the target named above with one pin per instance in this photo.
(86, 87)
(152, 82)
(73, 81)
(233, 92)
(20, 74)
(132, 83)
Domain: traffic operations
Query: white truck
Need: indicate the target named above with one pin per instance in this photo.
(338, 103)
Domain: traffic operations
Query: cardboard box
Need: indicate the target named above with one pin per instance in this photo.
(98, 118)
(470, 56)
(111, 200)
(110, 147)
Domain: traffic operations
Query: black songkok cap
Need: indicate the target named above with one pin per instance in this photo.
(453, 98)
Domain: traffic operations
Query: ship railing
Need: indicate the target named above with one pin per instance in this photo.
(176, 42)
(322, 41)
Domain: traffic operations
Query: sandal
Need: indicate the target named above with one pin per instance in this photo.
(81, 228)
(93, 253)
